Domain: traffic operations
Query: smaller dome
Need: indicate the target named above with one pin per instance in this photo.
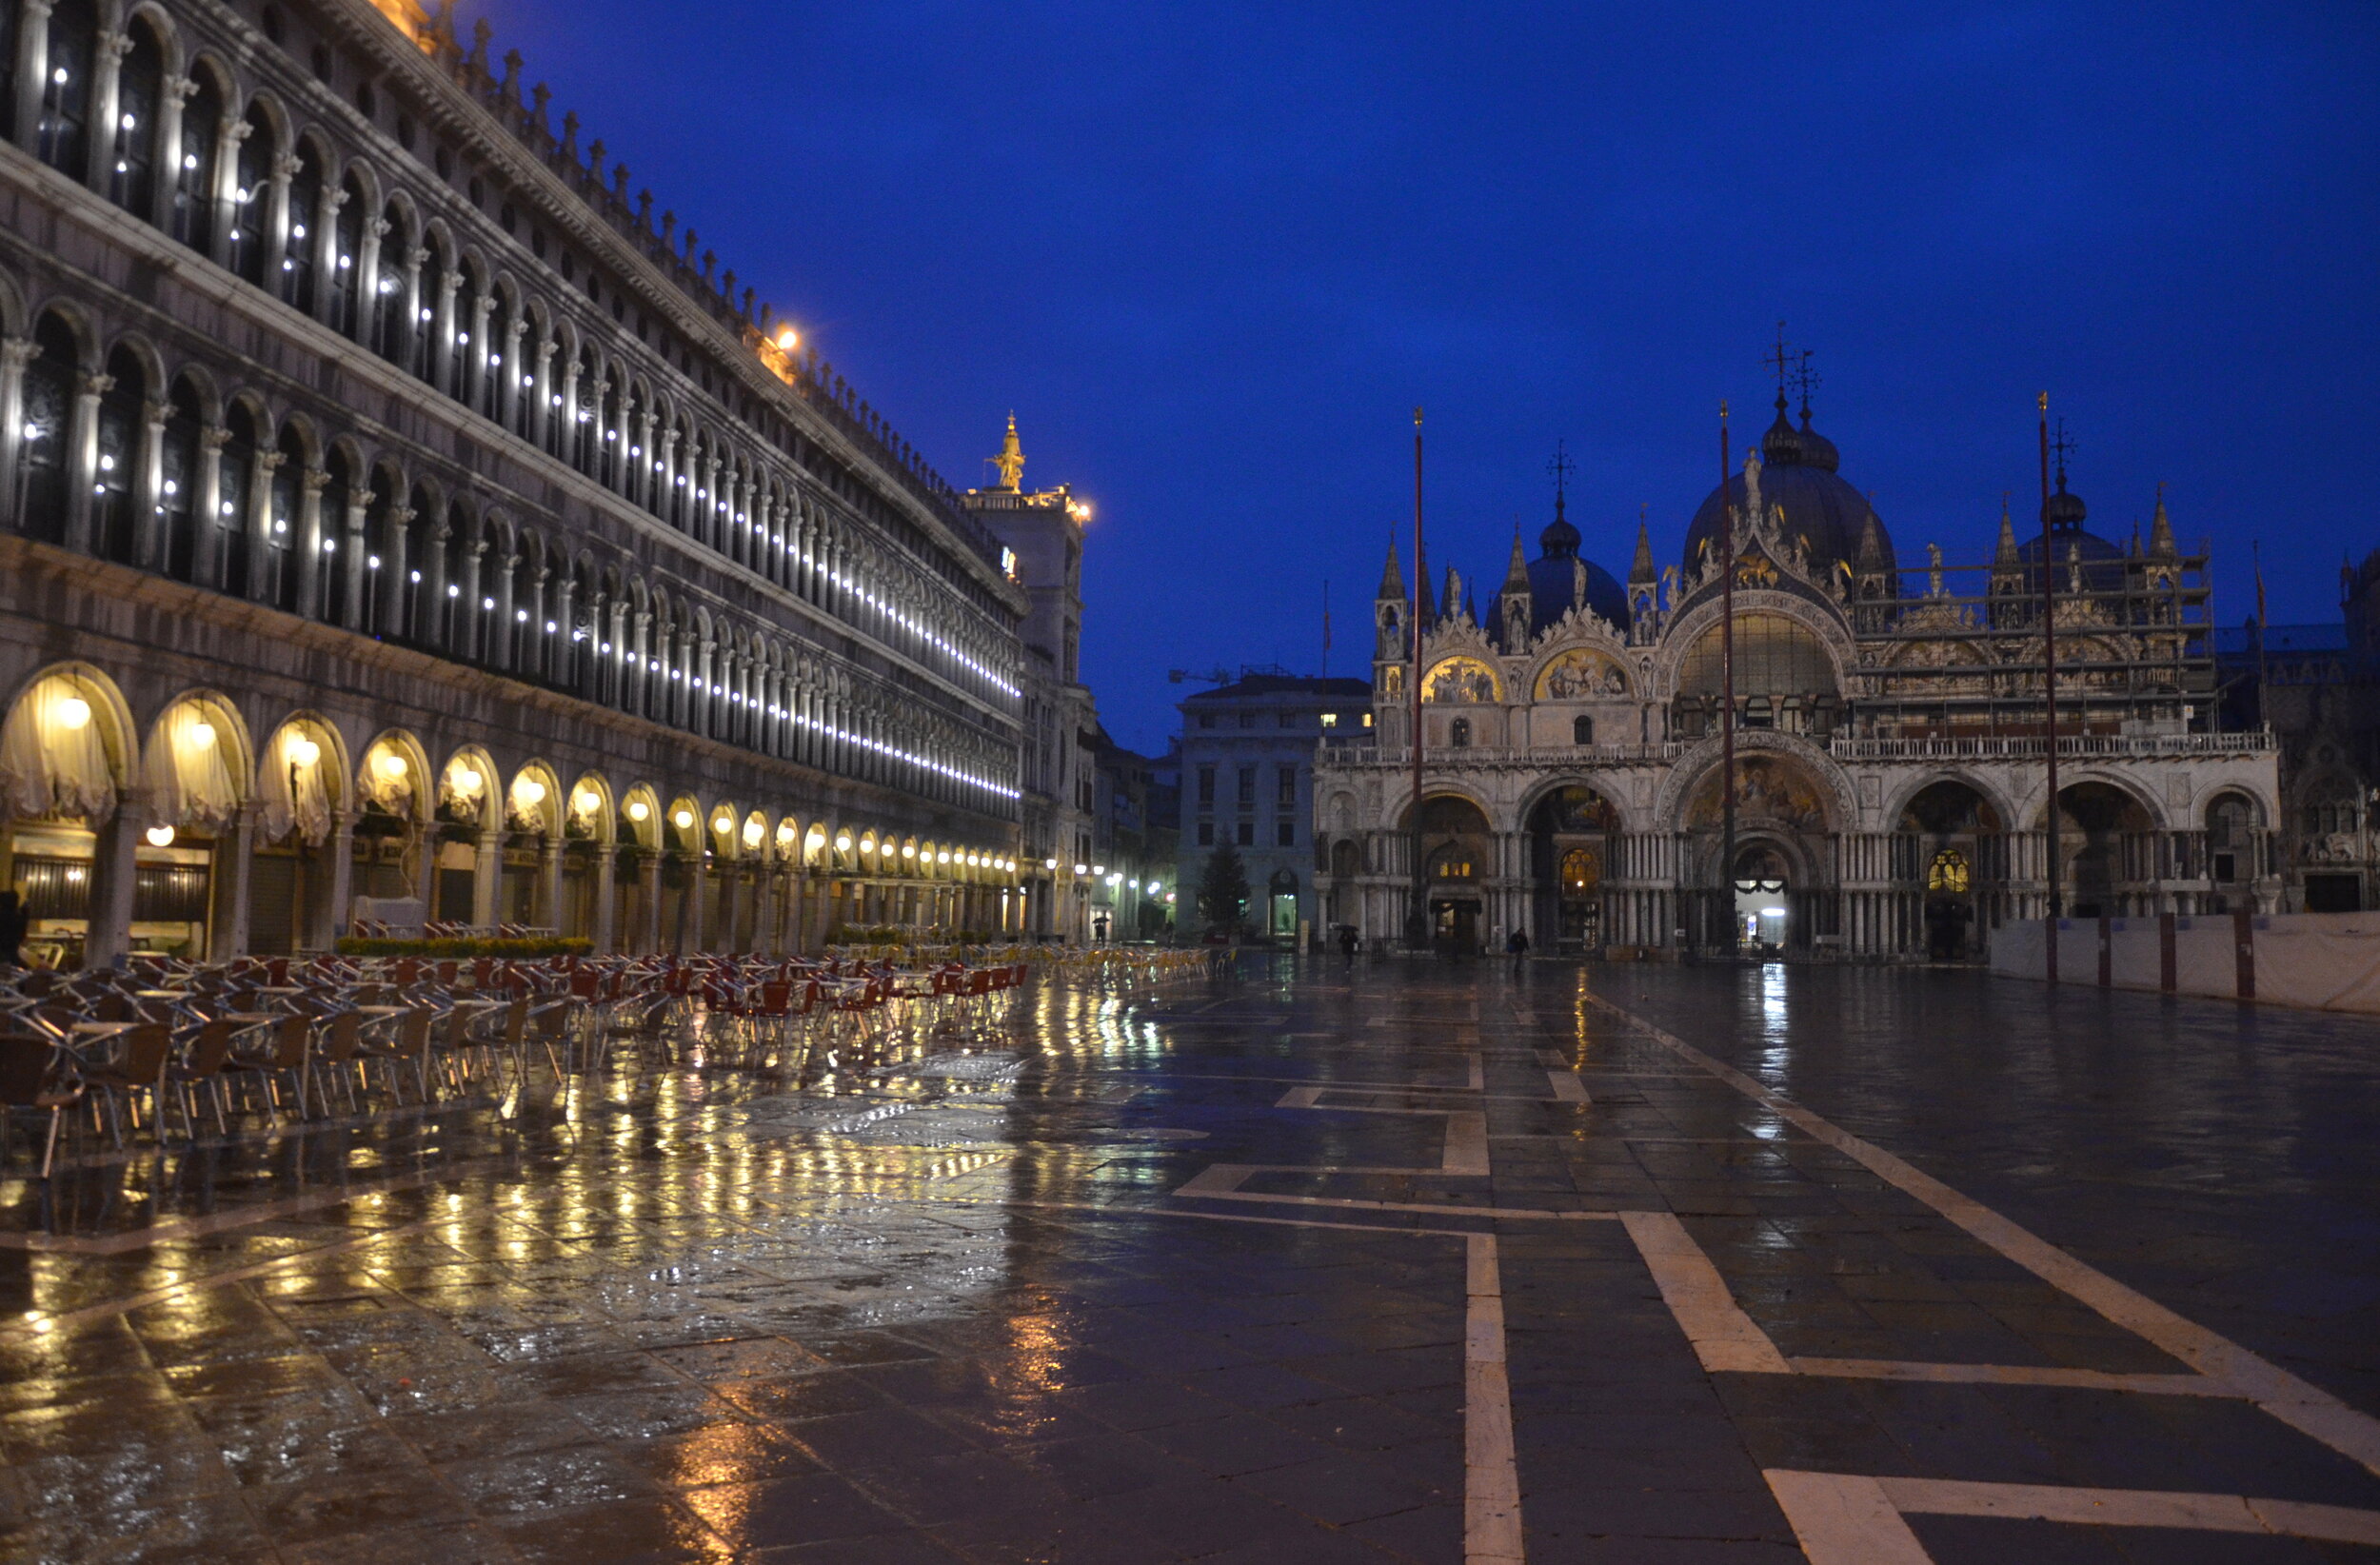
(1559, 541)
(1817, 450)
(1554, 590)
(2067, 510)
(2102, 561)
(1781, 446)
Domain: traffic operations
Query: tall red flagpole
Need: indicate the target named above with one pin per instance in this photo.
(2049, 677)
(1727, 688)
(1417, 926)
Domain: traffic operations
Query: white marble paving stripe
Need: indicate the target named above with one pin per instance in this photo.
(2132, 1508)
(1491, 1491)
(1844, 1519)
(1222, 1182)
(2299, 1403)
(1723, 1336)
(1466, 1154)
(1566, 1086)
(2013, 1375)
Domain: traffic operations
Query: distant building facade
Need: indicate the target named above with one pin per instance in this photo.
(2317, 687)
(1247, 769)
(1890, 793)
(1133, 845)
(1041, 533)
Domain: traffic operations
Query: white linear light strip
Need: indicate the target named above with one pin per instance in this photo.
(913, 626)
(777, 540)
(899, 754)
(787, 714)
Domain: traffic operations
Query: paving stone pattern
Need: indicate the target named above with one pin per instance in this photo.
(908, 1308)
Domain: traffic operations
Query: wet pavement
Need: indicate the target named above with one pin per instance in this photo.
(1307, 1265)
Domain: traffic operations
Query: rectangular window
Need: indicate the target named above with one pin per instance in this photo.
(1367, 720)
(1206, 787)
(1247, 787)
(1285, 789)
(1287, 832)
(1247, 834)
(1207, 834)
(1330, 719)
(1289, 720)
(1206, 720)
(1247, 720)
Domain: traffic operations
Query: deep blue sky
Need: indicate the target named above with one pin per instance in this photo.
(1213, 254)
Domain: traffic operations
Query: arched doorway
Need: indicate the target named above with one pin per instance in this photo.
(1955, 847)
(1454, 855)
(2234, 830)
(1569, 833)
(2100, 829)
(1280, 894)
(1782, 831)
(1763, 915)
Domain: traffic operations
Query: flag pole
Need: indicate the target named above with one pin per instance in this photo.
(2048, 679)
(1727, 691)
(1418, 922)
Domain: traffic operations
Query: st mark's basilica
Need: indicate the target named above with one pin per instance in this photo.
(1891, 736)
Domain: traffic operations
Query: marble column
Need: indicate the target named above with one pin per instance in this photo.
(328, 918)
(487, 873)
(549, 883)
(108, 936)
(235, 854)
(606, 901)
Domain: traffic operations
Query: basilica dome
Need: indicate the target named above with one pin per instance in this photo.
(1557, 576)
(1796, 475)
(2102, 561)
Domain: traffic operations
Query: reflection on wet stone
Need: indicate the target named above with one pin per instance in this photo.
(943, 1301)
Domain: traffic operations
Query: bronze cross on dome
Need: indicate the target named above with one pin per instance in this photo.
(1781, 362)
(2063, 446)
(1804, 378)
(1561, 467)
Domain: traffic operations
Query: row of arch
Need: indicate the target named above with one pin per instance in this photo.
(1339, 810)
(165, 469)
(195, 790)
(1780, 657)
(275, 203)
(72, 747)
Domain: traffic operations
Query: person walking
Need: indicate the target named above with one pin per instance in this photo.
(12, 926)
(1517, 945)
(1348, 940)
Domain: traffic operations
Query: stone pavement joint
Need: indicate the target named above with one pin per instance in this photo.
(1843, 1518)
(2294, 1401)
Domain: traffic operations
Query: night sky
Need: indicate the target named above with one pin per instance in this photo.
(1212, 255)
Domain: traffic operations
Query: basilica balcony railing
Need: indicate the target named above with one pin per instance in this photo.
(2034, 747)
(1548, 756)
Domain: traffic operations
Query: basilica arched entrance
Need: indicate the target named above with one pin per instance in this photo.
(1768, 898)
(2105, 842)
(1456, 849)
(1569, 833)
(1762, 878)
(1953, 843)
